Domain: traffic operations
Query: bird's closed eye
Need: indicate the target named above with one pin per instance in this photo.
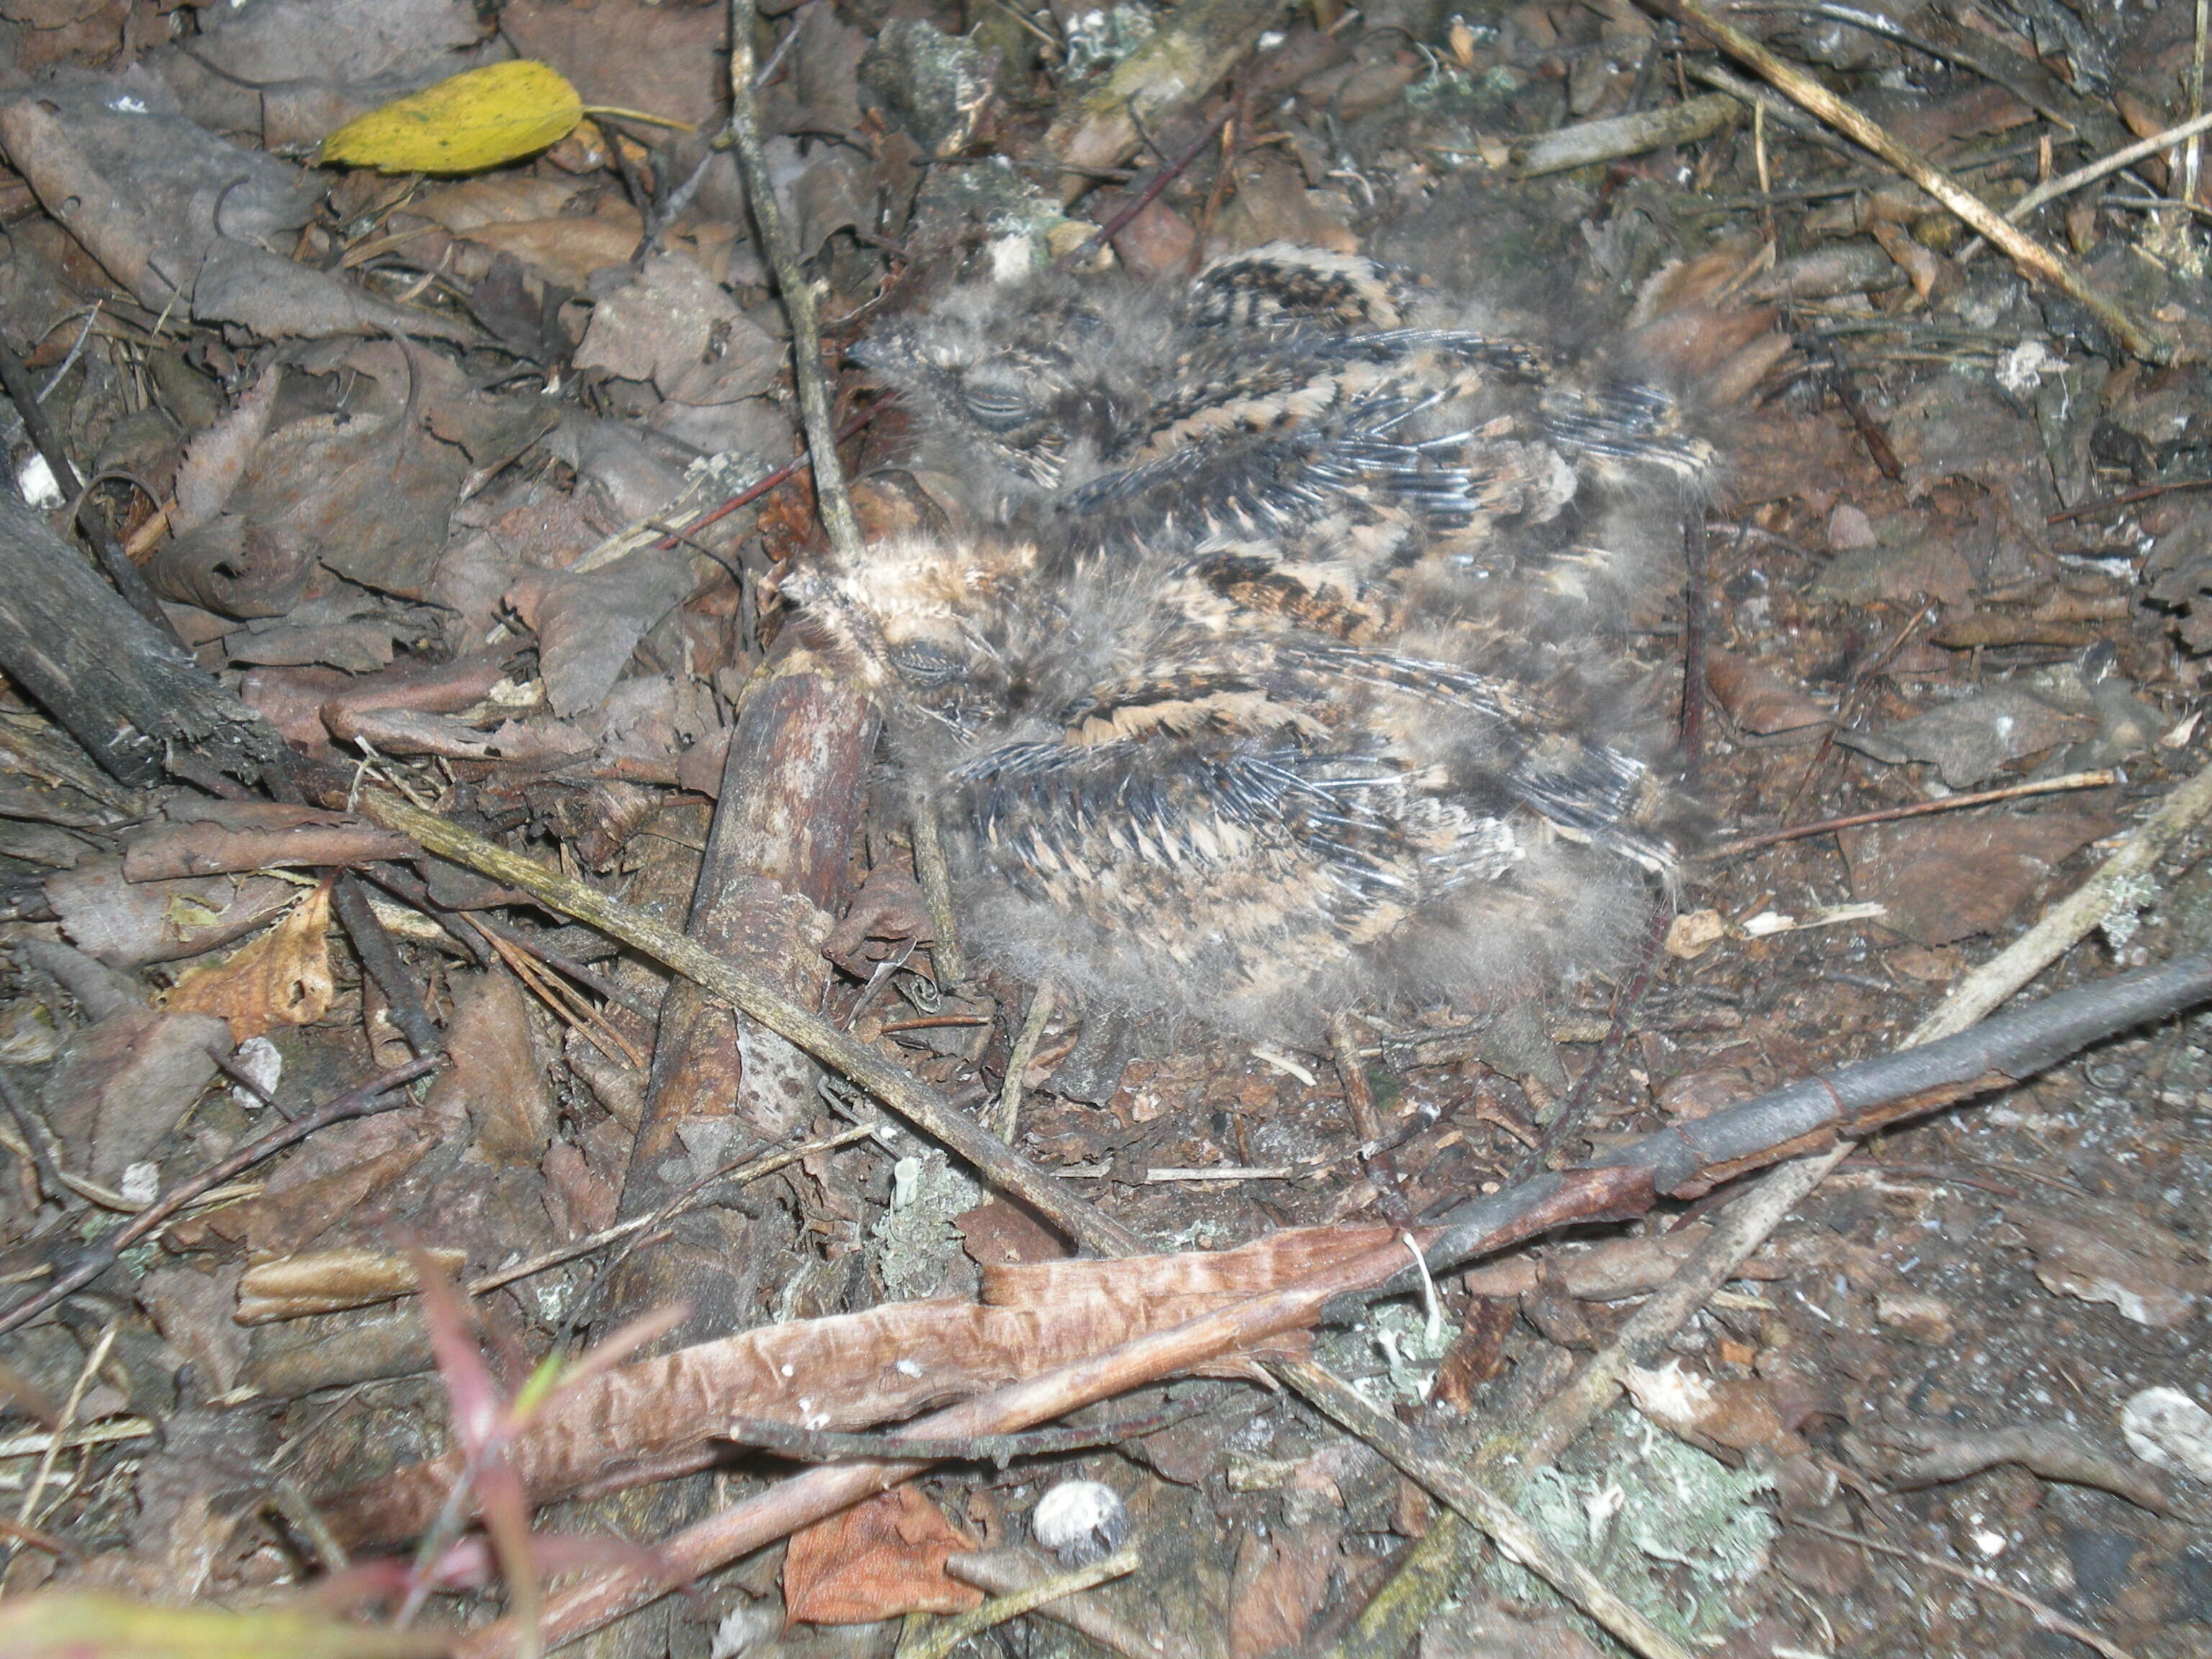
(922, 663)
(996, 408)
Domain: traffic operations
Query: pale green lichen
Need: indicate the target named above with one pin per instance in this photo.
(1675, 1532)
(1399, 1334)
(918, 1252)
(1100, 38)
(1007, 202)
(2130, 896)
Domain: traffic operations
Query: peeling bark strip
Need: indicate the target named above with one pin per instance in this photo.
(855, 1370)
(107, 677)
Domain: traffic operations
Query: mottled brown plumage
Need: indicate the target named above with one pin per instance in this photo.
(1281, 658)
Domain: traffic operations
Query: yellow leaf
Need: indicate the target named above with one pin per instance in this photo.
(463, 124)
(77, 1625)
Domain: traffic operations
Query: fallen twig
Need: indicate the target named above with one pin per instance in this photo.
(1588, 143)
(1625, 1186)
(960, 1627)
(1915, 809)
(2056, 1451)
(827, 1446)
(2137, 338)
(897, 1089)
(1003, 1571)
(363, 1101)
(801, 296)
(2067, 183)
(1167, 175)
(1440, 1562)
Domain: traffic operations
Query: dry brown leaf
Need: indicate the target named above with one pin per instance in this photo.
(281, 978)
(1947, 878)
(497, 1074)
(1760, 699)
(876, 1560)
(2102, 1254)
(1279, 1582)
(293, 1286)
(216, 460)
(568, 249)
(860, 1369)
(1731, 1413)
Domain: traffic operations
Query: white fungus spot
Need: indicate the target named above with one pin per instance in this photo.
(1080, 1522)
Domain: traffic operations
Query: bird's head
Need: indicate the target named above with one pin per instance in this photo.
(1026, 383)
(918, 622)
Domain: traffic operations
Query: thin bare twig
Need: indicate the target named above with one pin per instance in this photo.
(1359, 1104)
(939, 1643)
(1914, 810)
(1172, 170)
(1003, 1571)
(801, 295)
(362, 1101)
(1441, 1561)
(2135, 337)
(1018, 1063)
(948, 963)
(2104, 167)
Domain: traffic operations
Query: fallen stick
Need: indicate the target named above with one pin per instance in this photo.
(899, 1090)
(2134, 338)
(800, 295)
(1999, 1052)
(1588, 142)
(1817, 1114)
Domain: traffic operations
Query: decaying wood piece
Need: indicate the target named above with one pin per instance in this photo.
(131, 695)
(768, 885)
(1588, 142)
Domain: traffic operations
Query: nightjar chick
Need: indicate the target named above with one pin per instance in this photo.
(1281, 659)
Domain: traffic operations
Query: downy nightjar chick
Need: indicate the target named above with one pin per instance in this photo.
(1276, 664)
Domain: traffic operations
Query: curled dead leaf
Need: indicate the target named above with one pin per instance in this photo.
(281, 978)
